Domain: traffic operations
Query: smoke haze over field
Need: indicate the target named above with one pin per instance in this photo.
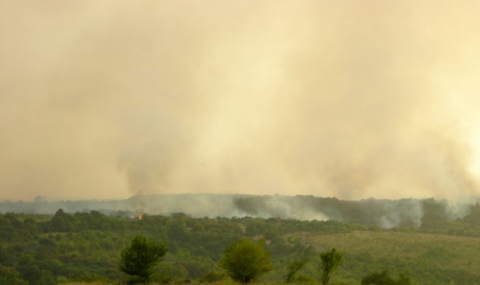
(352, 99)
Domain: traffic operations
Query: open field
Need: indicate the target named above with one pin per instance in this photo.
(424, 257)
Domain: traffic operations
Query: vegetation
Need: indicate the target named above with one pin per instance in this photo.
(138, 259)
(329, 262)
(86, 246)
(383, 278)
(246, 260)
(293, 268)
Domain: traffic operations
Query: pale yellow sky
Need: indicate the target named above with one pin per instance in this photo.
(345, 98)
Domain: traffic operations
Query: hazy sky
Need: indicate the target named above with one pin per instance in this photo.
(346, 98)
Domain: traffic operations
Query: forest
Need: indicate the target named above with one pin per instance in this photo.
(85, 245)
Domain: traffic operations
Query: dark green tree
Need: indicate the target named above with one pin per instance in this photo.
(246, 260)
(329, 262)
(138, 259)
(9, 275)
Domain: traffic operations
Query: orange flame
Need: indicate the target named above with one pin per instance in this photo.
(139, 215)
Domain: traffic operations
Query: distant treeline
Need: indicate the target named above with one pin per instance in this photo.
(386, 214)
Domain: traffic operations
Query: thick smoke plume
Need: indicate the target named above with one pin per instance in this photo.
(352, 99)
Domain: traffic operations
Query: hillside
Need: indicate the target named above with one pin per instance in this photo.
(85, 246)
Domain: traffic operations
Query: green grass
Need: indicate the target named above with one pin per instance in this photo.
(426, 258)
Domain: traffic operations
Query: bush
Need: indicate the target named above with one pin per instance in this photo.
(246, 260)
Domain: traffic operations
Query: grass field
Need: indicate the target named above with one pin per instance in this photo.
(426, 258)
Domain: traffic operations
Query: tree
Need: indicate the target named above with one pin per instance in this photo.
(246, 260)
(292, 269)
(329, 262)
(140, 257)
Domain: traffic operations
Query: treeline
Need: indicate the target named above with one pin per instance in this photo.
(41, 250)
(386, 214)
(85, 246)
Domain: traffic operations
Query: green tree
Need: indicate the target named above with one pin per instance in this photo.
(294, 266)
(246, 260)
(9, 275)
(329, 262)
(138, 259)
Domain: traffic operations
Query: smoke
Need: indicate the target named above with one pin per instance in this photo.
(386, 214)
(401, 212)
(352, 99)
(285, 207)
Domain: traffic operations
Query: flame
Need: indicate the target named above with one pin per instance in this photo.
(139, 215)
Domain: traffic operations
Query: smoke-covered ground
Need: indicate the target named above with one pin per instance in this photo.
(383, 213)
(351, 99)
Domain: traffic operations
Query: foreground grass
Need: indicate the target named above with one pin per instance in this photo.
(426, 258)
